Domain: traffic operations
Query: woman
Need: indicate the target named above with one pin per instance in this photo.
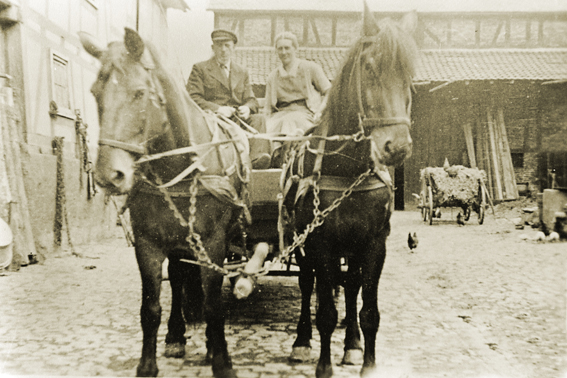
(294, 91)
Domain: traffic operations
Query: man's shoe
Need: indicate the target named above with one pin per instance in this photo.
(262, 162)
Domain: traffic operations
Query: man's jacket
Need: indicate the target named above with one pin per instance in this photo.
(210, 88)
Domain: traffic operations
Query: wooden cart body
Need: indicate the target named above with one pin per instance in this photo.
(433, 196)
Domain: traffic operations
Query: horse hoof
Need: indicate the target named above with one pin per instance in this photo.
(225, 373)
(209, 357)
(368, 371)
(147, 371)
(175, 350)
(353, 357)
(324, 371)
(300, 354)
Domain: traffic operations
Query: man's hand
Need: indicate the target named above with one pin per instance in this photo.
(243, 112)
(226, 111)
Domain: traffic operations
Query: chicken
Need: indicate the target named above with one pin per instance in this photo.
(460, 219)
(412, 241)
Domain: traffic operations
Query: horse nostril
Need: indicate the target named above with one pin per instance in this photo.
(117, 178)
(388, 147)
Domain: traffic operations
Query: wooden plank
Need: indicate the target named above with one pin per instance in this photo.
(494, 157)
(509, 174)
(486, 161)
(498, 142)
(497, 33)
(315, 32)
(470, 144)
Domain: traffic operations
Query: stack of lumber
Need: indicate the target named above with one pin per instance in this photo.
(492, 154)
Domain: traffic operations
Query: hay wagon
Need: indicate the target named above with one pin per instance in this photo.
(454, 186)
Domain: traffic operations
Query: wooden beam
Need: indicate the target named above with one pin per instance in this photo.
(315, 32)
(540, 33)
(528, 31)
(305, 30)
(494, 156)
(497, 33)
(274, 23)
(241, 28)
(334, 31)
(477, 33)
(507, 32)
(467, 128)
(507, 165)
(432, 36)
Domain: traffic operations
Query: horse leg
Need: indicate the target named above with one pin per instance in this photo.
(301, 350)
(150, 260)
(326, 316)
(369, 314)
(216, 247)
(353, 346)
(175, 339)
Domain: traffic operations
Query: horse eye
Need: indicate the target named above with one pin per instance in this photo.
(139, 94)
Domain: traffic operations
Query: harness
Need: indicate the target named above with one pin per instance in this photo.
(372, 179)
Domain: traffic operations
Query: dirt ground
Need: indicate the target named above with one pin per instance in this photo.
(471, 301)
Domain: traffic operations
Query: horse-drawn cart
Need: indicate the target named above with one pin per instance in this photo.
(454, 186)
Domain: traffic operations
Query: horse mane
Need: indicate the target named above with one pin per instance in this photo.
(393, 51)
(180, 107)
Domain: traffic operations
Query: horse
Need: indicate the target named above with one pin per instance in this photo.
(338, 195)
(186, 175)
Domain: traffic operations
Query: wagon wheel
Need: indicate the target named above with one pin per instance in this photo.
(430, 203)
(467, 211)
(482, 207)
(424, 210)
(423, 200)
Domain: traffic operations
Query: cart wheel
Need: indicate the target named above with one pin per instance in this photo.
(422, 205)
(467, 212)
(482, 207)
(430, 199)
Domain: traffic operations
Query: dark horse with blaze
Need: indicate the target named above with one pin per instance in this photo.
(185, 174)
(338, 194)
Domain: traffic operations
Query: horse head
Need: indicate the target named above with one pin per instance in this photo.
(131, 109)
(376, 83)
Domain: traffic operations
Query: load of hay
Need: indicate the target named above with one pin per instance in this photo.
(454, 185)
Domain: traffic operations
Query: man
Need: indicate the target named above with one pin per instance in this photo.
(223, 87)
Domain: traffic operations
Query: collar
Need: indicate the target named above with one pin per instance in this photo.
(292, 70)
(220, 64)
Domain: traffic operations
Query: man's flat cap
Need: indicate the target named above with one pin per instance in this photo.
(223, 35)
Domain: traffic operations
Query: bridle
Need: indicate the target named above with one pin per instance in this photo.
(157, 99)
(366, 124)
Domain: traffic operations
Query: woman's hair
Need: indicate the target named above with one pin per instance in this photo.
(287, 35)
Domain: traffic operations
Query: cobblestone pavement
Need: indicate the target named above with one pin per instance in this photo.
(472, 301)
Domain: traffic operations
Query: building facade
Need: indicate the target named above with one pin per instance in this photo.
(47, 77)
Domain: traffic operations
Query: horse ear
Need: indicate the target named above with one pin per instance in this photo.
(90, 44)
(369, 24)
(409, 22)
(134, 44)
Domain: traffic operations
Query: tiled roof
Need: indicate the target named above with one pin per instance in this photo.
(433, 65)
(434, 6)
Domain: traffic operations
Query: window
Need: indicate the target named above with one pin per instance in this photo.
(517, 159)
(60, 88)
